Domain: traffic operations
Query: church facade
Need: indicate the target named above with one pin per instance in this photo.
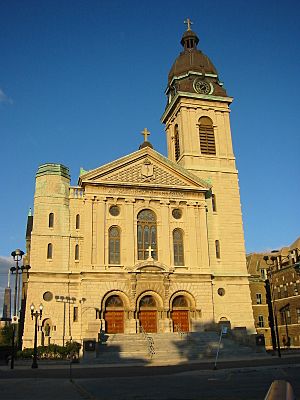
(146, 240)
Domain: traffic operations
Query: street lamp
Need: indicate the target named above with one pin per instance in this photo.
(35, 314)
(17, 270)
(270, 289)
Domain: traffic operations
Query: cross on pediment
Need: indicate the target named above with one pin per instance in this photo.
(150, 253)
(189, 23)
(145, 133)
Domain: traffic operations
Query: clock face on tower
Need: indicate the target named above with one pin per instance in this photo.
(201, 86)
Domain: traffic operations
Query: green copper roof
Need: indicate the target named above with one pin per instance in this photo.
(53, 169)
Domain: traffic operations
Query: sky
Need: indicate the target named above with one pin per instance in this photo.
(79, 81)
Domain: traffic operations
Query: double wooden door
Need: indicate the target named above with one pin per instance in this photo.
(148, 320)
(181, 318)
(114, 321)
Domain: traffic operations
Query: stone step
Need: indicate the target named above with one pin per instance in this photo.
(126, 348)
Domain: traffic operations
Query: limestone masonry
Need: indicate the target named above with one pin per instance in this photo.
(146, 240)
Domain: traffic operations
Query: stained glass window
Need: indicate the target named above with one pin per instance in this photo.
(114, 301)
(77, 252)
(178, 247)
(180, 301)
(77, 223)
(114, 245)
(147, 301)
(147, 235)
(49, 251)
(51, 220)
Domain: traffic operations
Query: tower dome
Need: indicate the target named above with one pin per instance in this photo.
(193, 71)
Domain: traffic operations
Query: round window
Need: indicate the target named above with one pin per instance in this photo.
(114, 211)
(47, 296)
(177, 213)
(221, 291)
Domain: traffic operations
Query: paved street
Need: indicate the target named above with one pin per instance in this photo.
(233, 380)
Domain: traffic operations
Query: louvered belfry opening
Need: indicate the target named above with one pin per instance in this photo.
(207, 136)
(177, 145)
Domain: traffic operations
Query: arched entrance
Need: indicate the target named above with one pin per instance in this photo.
(114, 315)
(148, 314)
(180, 314)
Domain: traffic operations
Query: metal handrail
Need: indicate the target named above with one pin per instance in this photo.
(178, 329)
(150, 342)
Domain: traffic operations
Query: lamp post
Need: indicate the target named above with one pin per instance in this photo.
(36, 314)
(17, 270)
(66, 300)
(272, 304)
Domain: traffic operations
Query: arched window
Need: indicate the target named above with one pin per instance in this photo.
(178, 247)
(114, 245)
(147, 235)
(218, 252)
(214, 202)
(176, 142)
(77, 222)
(207, 136)
(49, 251)
(76, 252)
(51, 220)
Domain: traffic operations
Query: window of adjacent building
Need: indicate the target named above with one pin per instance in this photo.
(114, 238)
(288, 316)
(258, 298)
(218, 252)
(176, 142)
(285, 291)
(51, 220)
(147, 235)
(261, 323)
(298, 315)
(75, 314)
(213, 202)
(178, 247)
(49, 251)
(278, 293)
(77, 221)
(76, 252)
(207, 136)
(263, 273)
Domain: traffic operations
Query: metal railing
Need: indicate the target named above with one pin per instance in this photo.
(150, 342)
(177, 328)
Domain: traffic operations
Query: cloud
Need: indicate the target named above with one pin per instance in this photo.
(4, 98)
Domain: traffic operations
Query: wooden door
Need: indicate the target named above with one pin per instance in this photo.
(148, 320)
(114, 321)
(181, 318)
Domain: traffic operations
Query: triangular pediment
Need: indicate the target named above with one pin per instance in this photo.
(145, 167)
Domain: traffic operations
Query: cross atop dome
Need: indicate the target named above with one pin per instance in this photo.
(145, 133)
(146, 143)
(188, 22)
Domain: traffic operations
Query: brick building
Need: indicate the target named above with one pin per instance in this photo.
(281, 270)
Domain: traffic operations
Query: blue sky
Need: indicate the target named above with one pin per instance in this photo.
(79, 80)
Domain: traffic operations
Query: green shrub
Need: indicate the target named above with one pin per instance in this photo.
(53, 351)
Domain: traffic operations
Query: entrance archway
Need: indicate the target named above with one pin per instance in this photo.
(148, 314)
(180, 314)
(114, 315)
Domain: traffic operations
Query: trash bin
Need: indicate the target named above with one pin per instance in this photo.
(89, 345)
(260, 340)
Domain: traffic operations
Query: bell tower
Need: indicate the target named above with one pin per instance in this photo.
(199, 139)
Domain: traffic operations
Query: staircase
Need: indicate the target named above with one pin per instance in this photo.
(169, 348)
